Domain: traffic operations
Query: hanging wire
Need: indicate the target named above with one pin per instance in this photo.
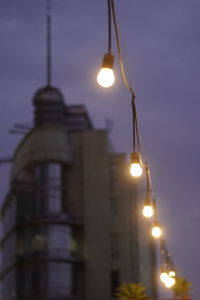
(148, 185)
(163, 249)
(119, 48)
(155, 210)
(133, 118)
(165, 257)
(166, 260)
(162, 256)
(150, 179)
(136, 137)
(109, 27)
(122, 61)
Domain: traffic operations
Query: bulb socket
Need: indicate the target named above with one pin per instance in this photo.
(135, 158)
(163, 269)
(108, 61)
(147, 201)
(156, 224)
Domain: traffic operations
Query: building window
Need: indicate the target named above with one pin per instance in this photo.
(114, 282)
(39, 242)
(49, 191)
(57, 240)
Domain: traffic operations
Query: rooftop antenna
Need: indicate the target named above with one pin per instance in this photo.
(48, 20)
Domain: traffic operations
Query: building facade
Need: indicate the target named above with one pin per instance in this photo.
(71, 227)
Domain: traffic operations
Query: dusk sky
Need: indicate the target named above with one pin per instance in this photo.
(161, 39)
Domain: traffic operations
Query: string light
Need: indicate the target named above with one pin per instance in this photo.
(167, 270)
(106, 78)
(136, 168)
(169, 282)
(163, 276)
(147, 209)
(172, 274)
(156, 231)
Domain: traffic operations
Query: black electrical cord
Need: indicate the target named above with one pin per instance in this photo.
(165, 257)
(109, 27)
(119, 47)
(136, 128)
(148, 185)
(133, 118)
(136, 137)
(155, 211)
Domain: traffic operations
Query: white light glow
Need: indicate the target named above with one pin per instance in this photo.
(148, 211)
(136, 170)
(106, 77)
(172, 274)
(156, 231)
(163, 276)
(169, 282)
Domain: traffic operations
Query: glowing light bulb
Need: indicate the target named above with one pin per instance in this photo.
(172, 274)
(156, 231)
(169, 282)
(148, 211)
(173, 281)
(106, 76)
(163, 277)
(135, 169)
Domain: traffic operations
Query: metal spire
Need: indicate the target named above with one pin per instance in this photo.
(48, 20)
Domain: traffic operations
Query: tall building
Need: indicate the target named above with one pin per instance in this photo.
(71, 227)
(70, 219)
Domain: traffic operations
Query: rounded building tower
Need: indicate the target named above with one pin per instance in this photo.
(40, 245)
(40, 259)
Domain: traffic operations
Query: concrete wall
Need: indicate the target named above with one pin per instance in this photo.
(103, 196)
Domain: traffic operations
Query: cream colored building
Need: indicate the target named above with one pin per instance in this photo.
(71, 221)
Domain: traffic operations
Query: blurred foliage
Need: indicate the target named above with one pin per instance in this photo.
(132, 291)
(182, 289)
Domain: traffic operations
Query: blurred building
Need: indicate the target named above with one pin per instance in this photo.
(71, 227)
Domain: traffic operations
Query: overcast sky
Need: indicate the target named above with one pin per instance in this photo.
(161, 39)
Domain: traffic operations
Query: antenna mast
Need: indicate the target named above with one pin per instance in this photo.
(48, 20)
